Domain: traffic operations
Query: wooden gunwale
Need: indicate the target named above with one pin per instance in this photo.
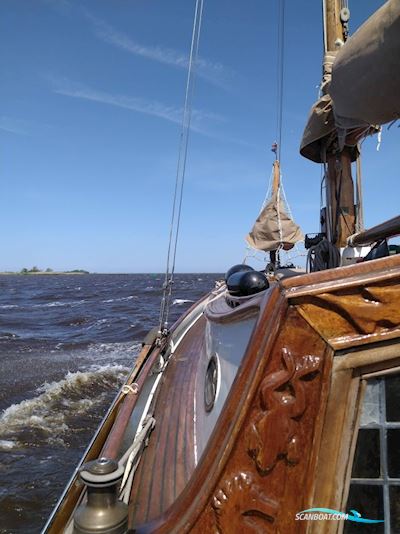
(181, 516)
(343, 283)
(307, 282)
(113, 442)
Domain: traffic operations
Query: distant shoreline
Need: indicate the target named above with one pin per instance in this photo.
(42, 273)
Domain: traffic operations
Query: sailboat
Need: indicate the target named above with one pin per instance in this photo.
(272, 404)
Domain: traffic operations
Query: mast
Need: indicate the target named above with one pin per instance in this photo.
(276, 182)
(340, 216)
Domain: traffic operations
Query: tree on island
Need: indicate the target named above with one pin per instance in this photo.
(36, 270)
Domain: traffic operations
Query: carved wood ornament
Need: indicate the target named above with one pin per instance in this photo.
(270, 454)
(282, 402)
(357, 312)
(231, 504)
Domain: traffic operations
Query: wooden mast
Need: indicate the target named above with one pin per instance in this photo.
(276, 182)
(277, 177)
(340, 212)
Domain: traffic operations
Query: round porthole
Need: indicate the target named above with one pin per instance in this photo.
(211, 383)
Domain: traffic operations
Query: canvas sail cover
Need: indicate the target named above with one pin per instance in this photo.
(365, 82)
(320, 125)
(274, 228)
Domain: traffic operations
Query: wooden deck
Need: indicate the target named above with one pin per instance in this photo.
(169, 460)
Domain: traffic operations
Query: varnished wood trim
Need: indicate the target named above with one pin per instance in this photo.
(379, 267)
(320, 423)
(376, 354)
(356, 340)
(341, 423)
(378, 370)
(114, 439)
(342, 284)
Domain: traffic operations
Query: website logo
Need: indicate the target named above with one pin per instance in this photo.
(327, 514)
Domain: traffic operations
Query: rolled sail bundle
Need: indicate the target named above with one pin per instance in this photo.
(274, 228)
(366, 73)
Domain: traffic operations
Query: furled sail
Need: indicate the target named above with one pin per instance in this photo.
(274, 229)
(365, 82)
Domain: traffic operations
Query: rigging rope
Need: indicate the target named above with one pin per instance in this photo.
(324, 255)
(280, 76)
(181, 169)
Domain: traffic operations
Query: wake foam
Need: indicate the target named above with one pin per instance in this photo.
(7, 444)
(59, 402)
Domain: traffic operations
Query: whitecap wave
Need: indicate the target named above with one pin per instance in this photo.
(121, 299)
(8, 335)
(56, 304)
(74, 395)
(97, 323)
(179, 302)
(7, 444)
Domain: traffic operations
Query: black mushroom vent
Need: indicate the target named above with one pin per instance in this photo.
(243, 281)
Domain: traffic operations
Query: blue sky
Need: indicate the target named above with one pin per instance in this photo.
(91, 101)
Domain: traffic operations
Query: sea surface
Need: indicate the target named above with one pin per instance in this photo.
(66, 344)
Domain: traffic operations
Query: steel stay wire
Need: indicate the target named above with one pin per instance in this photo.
(181, 170)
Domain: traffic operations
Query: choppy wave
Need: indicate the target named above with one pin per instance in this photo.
(8, 335)
(56, 304)
(7, 444)
(120, 299)
(43, 431)
(113, 351)
(49, 410)
(73, 321)
(179, 302)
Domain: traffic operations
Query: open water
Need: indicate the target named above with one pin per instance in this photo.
(66, 344)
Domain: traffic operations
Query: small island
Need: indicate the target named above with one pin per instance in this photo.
(35, 270)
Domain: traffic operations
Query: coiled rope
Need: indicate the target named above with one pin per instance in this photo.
(322, 256)
(181, 170)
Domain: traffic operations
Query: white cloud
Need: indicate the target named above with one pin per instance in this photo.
(13, 125)
(203, 122)
(214, 73)
(149, 107)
